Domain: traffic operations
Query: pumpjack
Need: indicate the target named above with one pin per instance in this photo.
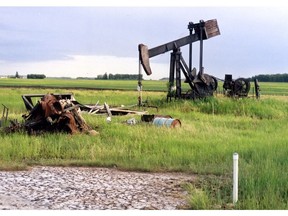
(201, 84)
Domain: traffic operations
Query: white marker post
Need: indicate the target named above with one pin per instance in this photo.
(235, 178)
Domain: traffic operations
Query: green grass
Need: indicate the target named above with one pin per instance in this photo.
(212, 130)
(87, 84)
(266, 88)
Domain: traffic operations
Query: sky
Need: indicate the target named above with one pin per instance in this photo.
(89, 40)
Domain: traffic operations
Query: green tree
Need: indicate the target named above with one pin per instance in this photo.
(17, 75)
(105, 76)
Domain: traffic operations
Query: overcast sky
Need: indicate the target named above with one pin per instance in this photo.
(88, 41)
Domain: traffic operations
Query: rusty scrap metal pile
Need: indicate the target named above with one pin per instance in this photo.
(53, 114)
(62, 113)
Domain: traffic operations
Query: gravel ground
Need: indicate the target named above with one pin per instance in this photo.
(91, 188)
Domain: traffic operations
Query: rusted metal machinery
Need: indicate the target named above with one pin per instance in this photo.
(55, 114)
(239, 87)
(4, 117)
(236, 88)
(257, 88)
(201, 84)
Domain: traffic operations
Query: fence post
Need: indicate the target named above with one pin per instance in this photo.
(235, 177)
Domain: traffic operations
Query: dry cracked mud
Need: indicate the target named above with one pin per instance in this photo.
(69, 188)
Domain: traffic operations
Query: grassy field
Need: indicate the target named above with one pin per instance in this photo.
(212, 130)
(87, 84)
(148, 85)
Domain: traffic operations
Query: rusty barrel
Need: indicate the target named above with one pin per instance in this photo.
(168, 122)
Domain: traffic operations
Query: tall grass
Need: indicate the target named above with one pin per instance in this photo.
(212, 130)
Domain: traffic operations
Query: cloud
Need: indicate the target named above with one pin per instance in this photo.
(88, 41)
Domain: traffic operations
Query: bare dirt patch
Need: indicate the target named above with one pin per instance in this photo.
(91, 188)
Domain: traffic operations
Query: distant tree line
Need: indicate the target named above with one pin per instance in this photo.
(271, 77)
(36, 76)
(85, 78)
(17, 76)
(118, 77)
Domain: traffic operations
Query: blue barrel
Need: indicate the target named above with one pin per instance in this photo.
(168, 122)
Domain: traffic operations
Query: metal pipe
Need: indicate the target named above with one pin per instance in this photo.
(172, 68)
(178, 74)
(201, 47)
(5, 113)
(235, 177)
(190, 27)
(139, 86)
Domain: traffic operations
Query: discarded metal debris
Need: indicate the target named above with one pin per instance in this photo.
(54, 114)
(157, 120)
(161, 120)
(91, 109)
(131, 121)
(108, 112)
(27, 98)
(15, 126)
(60, 113)
(150, 117)
(168, 122)
(4, 115)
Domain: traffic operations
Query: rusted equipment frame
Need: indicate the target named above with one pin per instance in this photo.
(27, 98)
(4, 115)
(236, 88)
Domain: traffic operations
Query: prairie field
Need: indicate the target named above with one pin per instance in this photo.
(212, 130)
(267, 88)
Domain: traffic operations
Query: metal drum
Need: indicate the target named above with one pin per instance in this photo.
(168, 122)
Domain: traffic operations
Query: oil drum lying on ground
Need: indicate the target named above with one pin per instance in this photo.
(168, 122)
